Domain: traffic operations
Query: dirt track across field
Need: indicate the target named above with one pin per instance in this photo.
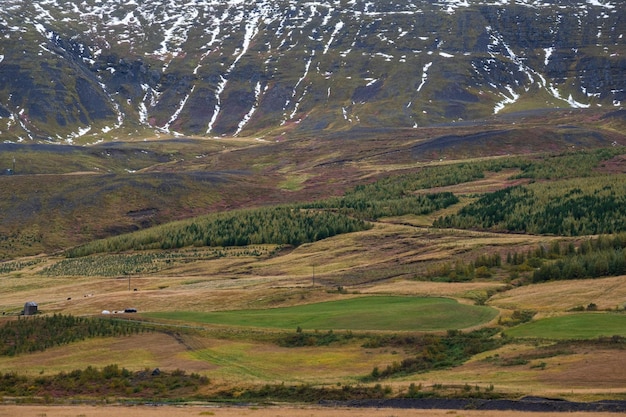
(284, 411)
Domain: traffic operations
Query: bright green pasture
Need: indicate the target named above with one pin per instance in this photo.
(573, 326)
(362, 313)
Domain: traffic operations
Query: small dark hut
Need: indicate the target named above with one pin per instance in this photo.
(30, 308)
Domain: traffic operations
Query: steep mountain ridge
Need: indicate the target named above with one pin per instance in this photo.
(81, 72)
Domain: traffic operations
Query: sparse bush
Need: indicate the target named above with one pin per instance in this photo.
(302, 338)
(483, 272)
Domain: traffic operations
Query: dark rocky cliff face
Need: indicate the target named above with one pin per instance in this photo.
(80, 72)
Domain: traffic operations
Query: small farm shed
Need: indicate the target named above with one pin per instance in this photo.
(30, 308)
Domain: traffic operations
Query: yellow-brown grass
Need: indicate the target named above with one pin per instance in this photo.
(581, 373)
(260, 411)
(133, 352)
(224, 361)
(558, 296)
(432, 289)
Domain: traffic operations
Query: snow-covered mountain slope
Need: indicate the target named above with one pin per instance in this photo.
(80, 71)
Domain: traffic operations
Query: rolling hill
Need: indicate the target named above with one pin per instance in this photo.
(304, 200)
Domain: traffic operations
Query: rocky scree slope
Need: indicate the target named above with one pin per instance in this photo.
(78, 72)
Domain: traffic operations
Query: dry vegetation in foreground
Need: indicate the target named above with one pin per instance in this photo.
(262, 411)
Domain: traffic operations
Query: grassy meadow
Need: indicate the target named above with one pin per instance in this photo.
(347, 274)
(360, 313)
(573, 326)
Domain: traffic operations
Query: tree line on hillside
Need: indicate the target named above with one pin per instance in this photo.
(276, 225)
(602, 256)
(32, 334)
(397, 195)
(565, 208)
(373, 209)
(117, 264)
(7, 267)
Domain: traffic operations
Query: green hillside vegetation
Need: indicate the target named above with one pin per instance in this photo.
(7, 267)
(568, 165)
(573, 207)
(553, 212)
(360, 204)
(395, 196)
(361, 313)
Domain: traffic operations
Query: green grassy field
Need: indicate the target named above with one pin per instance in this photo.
(362, 313)
(573, 326)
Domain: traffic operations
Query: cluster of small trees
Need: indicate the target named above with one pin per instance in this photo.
(281, 225)
(393, 196)
(308, 393)
(465, 271)
(600, 257)
(141, 263)
(429, 177)
(39, 333)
